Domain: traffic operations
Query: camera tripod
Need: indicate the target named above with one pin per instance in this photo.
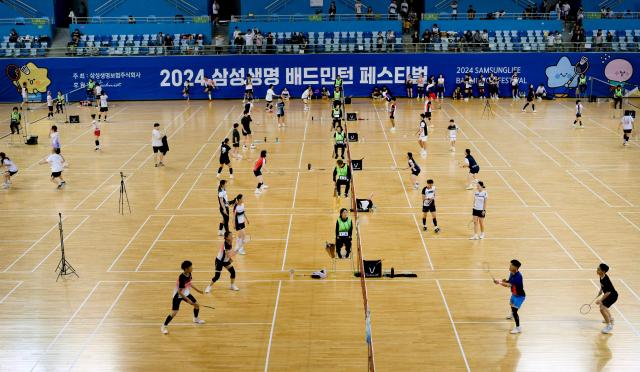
(64, 267)
(123, 195)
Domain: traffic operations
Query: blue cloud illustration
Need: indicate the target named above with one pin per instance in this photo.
(560, 74)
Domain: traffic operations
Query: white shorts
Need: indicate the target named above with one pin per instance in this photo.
(452, 137)
(423, 138)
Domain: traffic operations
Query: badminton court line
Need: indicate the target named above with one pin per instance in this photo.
(535, 215)
(424, 244)
(304, 138)
(545, 153)
(515, 118)
(273, 326)
(188, 191)
(3, 299)
(66, 237)
(628, 220)
(32, 246)
(89, 339)
(453, 325)
(92, 193)
(609, 188)
(286, 244)
(135, 235)
(73, 316)
(154, 243)
(524, 203)
(117, 188)
(578, 236)
(578, 165)
(590, 190)
(621, 281)
(213, 154)
(169, 191)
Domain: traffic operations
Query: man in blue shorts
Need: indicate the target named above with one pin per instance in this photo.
(515, 283)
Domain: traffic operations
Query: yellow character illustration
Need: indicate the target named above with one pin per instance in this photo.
(37, 78)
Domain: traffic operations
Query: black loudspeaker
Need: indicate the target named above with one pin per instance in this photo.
(74, 119)
(356, 165)
(352, 137)
(352, 116)
(347, 100)
(631, 113)
(32, 140)
(373, 269)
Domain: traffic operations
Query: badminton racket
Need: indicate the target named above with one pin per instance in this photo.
(586, 308)
(398, 168)
(207, 306)
(487, 269)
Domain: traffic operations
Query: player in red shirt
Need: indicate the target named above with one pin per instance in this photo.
(257, 171)
(182, 293)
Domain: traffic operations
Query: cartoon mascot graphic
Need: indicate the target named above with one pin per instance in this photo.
(37, 78)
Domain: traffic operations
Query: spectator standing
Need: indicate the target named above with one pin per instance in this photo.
(471, 13)
(215, 11)
(72, 16)
(248, 41)
(454, 9)
(404, 9)
(332, 11)
(369, 14)
(358, 8)
(393, 10)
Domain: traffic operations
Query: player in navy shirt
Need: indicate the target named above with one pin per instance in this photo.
(182, 292)
(515, 283)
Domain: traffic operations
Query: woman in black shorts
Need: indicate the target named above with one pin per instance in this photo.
(409, 85)
(260, 164)
(223, 206)
(479, 210)
(415, 170)
(609, 297)
(181, 293)
(223, 259)
(240, 221)
(224, 158)
(235, 139)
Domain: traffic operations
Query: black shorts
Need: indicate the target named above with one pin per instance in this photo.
(391, 116)
(177, 300)
(474, 170)
(104, 109)
(578, 115)
(429, 208)
(236, 144)
(420, 89)
(157, 149)
(50, 108)
(246, 131)
(248, 91)
(428, 114)
(56, 174)
(478, 213)
(610, 300)
(415, 172)
(240, 226)
(12, 173)
(221, 264)
(626, 131)
(440, 89)
(225, 161)
(280, 115)
(257, 173)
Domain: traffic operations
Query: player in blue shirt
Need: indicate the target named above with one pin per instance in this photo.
(515, 283)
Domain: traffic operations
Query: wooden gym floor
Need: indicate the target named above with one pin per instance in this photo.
(561, 201)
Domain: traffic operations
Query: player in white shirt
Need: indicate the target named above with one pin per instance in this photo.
(25, 96)
(248, 88)
(514, 86)
(453, 134)
(49, 105)
(157, 145)
(423, 135)
(627, 126)
(429, 206)
(56, 161)
(223, 259)
(97, 92)
(96, 131)
(55, 137)
(420, 86)
(440, 87)
(285, 94)
(479, 210)
(209, 86)
(269, 98)
(240, 221)
(104, 106)
(10, 169)
(579, 109)
(306, 97)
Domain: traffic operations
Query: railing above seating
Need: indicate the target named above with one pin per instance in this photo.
(447, 16)
(25, 21)
(310, 17)
(143, 19)
(615, 15)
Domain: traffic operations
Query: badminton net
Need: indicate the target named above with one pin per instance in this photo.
(358, 246)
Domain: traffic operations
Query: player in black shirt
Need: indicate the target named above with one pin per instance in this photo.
(246, 130)
(609, 297)
(224, 158)
(530, 97)
(235, 140)
(182, 293)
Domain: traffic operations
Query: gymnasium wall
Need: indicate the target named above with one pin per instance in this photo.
(154, 78)
(315, 26)
(502, 24)
(159, 8)
(303, 7)
(44, 8)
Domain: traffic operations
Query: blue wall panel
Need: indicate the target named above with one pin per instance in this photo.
(152, 78)
(612, 24)
(159, 8)
(505, 24)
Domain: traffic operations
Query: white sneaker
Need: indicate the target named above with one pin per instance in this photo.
(208, 289)
(217, 175)
(5, 185)
(607, 329)
(264, 186)
(515, 330)
(258, 192)
(164, 330)
(470, 187)
(231, 176)
(242, 252)
(220, 232)
(481, 235)
(475, 237)
(198, 321)
(234, 287)
(253, 146)
(393, 129)
(436, 230)
(244, 147)
(416, 186)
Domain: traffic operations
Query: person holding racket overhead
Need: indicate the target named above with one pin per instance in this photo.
(471, 163)
(260, 164)
(479, 210)
(516, 284)
(609, 297)
(415, 170)
(182, 293)
(223, 259)
(429, 206)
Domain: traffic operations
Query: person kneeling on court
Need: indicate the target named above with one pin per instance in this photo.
(340, 143)
(223, 259)
(342, 176)
(344, 228)
(182, 293)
